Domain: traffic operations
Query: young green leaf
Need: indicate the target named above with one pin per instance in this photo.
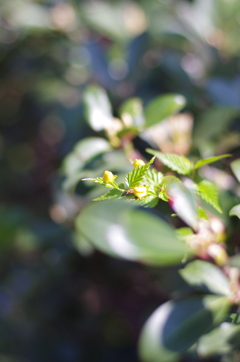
(235, 166)
(148, 201)
(100, 180)
(208, 192)
(202, 214)
(177, 325)
(206, 161)
(153, 177)
(177, 163)
(235, 211)
(112, 194)
(184, 232)
(162, 107)
(202, 275)
(136, 176)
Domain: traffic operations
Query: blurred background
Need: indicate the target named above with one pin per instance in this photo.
(59, 300)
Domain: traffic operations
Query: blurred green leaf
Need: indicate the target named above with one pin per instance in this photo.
(235, 211)
(83, 152)
(176, 325)
(184, 232)
(162, 107)
(120, 230)
(235, 166)
(112, 194)
(221, 341)
(202, 214)
(136, 176)
(218, 118)
(177, 163)
(98, 108)
(208, 192)
(206, 161)
(202, 274)
(131, 112)
(106, 18)
(148, 201)
(183, 202)
(234, 261)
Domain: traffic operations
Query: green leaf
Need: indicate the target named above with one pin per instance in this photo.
(136, 176)
(183, 202)
(176, 325)
(234, 319)
(148, 201)
(100, 180)
(184, 232)
(108, 19)
(206, 161)
(235, 166)
(98, 108)
(162, 107)
(112, 194)
(153, 177)
(204, 275)
(83, 152)
(209, 193)
(218, 118)
(131, 112)
(177, 163)
(120, 230)
(235, 211)
(202, 214)
(221, 341)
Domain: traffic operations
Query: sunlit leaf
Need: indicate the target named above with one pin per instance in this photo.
(162, 107)
(202, 214)
(235, 166)
(206, 161)
(84, 151)
(136, 176)
(204, 275)
(176, 325)
(112, 194)
(118, 229)
(177, 163)
(100, 180)
(235, 211)
(184, 232)
(131, 112)
(148, 201)
(98, 108)
(183, 202)
(221, 341)
(153, 177)
(209, 193)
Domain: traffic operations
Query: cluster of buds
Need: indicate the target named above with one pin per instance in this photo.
(139, 191)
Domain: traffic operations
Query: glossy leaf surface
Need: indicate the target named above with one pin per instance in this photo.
(204, 275)
(163, 107)
(118, 229)
(176, 325)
